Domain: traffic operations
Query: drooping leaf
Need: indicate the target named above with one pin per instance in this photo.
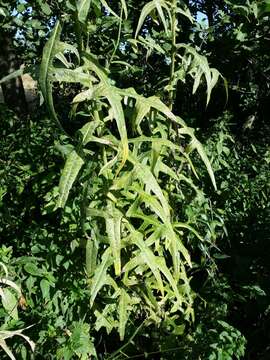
(72, 76)
(123, 313)
(150, 259)
(195, 144)
(50, 50)
(113, 228)
(188, 227)
(11, 76)
(158, 5)
(7, 350)
(45, 8)
(105, 89)
(166, 272)
(140, 111)
(115, 102)
(100, 276)
(45, 288)
(144, 173)
(10, 301)
(90, 256)
(108, 8)
(72, 167)
(124, 7)
(83, 7)
(148, 9)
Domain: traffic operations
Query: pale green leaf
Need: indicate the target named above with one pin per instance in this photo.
(115, 102)
(123, 313)
(158, 5)
(188, 227)
(144, 173)
(7, 350)
(49, 52)
(133, 263)
(3, 12)
(64, 47)
(7, 334)
(140, 111)
(11, 284)
(124, 7)
(113, 227)
(151, 201)
(155, 140)
(45, 288)
(88, 130)
(84, 95)
(108, 8)
(107, 90)
(195, 144)
(90, 256)
(11, 76)
(185, 12)
(72, 76)
(10, 301)
(166, 272)
(83, 7)
(149, 258)
(70, 172)
(100, 277)
(146, 11)
(61, 57)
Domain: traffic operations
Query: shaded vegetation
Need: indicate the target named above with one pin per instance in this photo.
(134, 200)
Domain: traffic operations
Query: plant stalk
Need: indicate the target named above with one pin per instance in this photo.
(173, 52)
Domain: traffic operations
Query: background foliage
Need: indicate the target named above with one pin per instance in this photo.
(115, 242)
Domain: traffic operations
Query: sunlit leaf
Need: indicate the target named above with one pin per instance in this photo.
(123, 313)
(100, 276)
(83, 7)
(72, 167)
(49, 52)
(113, 228)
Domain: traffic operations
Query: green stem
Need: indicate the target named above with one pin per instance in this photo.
(173, 52)
(118, 37)
(122, 348)
(78, 33)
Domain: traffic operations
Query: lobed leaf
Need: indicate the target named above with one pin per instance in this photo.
(70, 172)
(49, 52)
(100, 277)
(113, 227)
(123, 312)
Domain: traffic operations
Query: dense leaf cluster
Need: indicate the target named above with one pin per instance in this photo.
(123, 235)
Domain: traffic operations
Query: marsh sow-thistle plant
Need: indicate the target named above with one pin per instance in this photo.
(130, 168)
(10, 295)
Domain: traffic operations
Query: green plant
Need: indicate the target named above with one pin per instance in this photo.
(224, 341)
(11, 298)
(135, 252)
(134, 244)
